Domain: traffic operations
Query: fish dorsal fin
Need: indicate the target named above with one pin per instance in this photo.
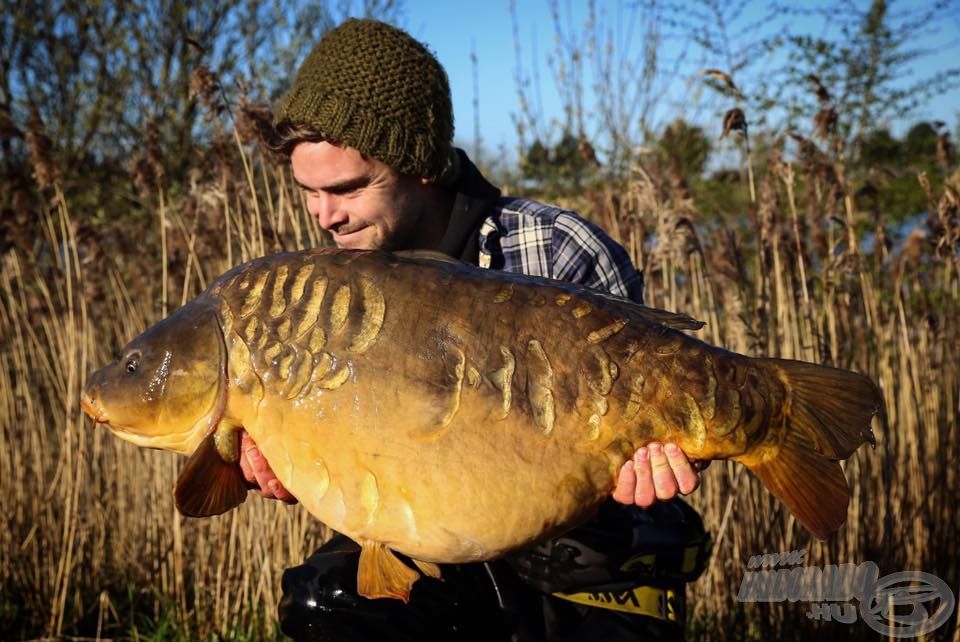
(431, 255)
(208, 485)
(382, 574)
(675, 320)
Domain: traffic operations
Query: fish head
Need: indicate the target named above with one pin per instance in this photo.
(166, 388)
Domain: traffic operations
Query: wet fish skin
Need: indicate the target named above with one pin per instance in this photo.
(164, 386)
(454, 414)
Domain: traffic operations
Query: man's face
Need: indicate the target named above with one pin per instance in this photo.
(362, 202)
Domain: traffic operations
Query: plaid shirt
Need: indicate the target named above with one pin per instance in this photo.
(542, 240)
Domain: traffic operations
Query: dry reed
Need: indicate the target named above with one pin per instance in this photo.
(890, 316)
(89, 516)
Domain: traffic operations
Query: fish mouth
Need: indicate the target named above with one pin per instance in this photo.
(89, 406)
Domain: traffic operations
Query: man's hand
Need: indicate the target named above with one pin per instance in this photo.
(657, 472)
(257, 471)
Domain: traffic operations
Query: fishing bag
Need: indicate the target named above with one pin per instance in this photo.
(618, 577)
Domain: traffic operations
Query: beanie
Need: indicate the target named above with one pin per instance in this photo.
(371, 86)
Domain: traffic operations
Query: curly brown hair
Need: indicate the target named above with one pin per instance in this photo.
(287, 135)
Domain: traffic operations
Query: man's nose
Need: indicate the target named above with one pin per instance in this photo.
(324, 207)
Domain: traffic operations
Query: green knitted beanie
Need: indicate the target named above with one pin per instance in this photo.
(372, 87)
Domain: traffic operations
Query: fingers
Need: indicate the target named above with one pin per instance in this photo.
(278, 491)
(645, 494)
(664, 481)
(684, 476)
(256, 470)
(657, 472)
(626, 484)
(245, 444)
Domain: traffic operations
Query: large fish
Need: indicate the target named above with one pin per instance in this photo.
(454, 414)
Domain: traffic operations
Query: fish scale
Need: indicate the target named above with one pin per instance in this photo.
(453, 414)
(286, 352)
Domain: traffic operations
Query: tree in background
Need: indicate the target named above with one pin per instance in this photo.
(101, 78)
(833, 72)
(685, 146)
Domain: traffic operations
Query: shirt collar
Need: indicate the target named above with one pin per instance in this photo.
(475, 198)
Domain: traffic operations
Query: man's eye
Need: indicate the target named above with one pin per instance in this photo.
(348, 189)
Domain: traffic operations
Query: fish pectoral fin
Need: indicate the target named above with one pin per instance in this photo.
(208, 485)
(428, 568)
(813, 487)
(382, 574)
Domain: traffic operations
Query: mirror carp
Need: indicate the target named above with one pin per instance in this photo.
(453, 413)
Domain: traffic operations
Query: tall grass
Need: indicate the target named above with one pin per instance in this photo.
(93, 545)
(92, 536)
(892, 315)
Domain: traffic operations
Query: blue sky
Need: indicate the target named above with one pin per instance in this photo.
(453, 29)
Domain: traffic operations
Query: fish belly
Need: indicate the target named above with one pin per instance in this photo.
(372, 470)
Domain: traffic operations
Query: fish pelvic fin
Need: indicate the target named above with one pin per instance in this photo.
(828, 415)
(208, 485)
(428, 568)
(382, 574)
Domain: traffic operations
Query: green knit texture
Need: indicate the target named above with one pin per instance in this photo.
(372, 87)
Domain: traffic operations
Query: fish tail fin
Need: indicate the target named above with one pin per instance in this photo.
(828, 416)
(833, 407)
(812, 487)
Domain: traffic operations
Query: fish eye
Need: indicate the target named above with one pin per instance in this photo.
(133, 362)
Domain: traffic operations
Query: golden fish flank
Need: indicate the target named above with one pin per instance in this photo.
(310, 309)
(278, 302)
(253, 292)
(287, 335)
(371, 319)
(454, 414)
(540, 386)
(604, 333)
(300, 282)
(502, 380)
(581, 310)
(504, 294)
(455, 362)
(339, 309)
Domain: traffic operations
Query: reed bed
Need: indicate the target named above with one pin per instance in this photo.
(93, 545)
(811, 287)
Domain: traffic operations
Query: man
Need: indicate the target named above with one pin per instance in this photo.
(368, 127)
